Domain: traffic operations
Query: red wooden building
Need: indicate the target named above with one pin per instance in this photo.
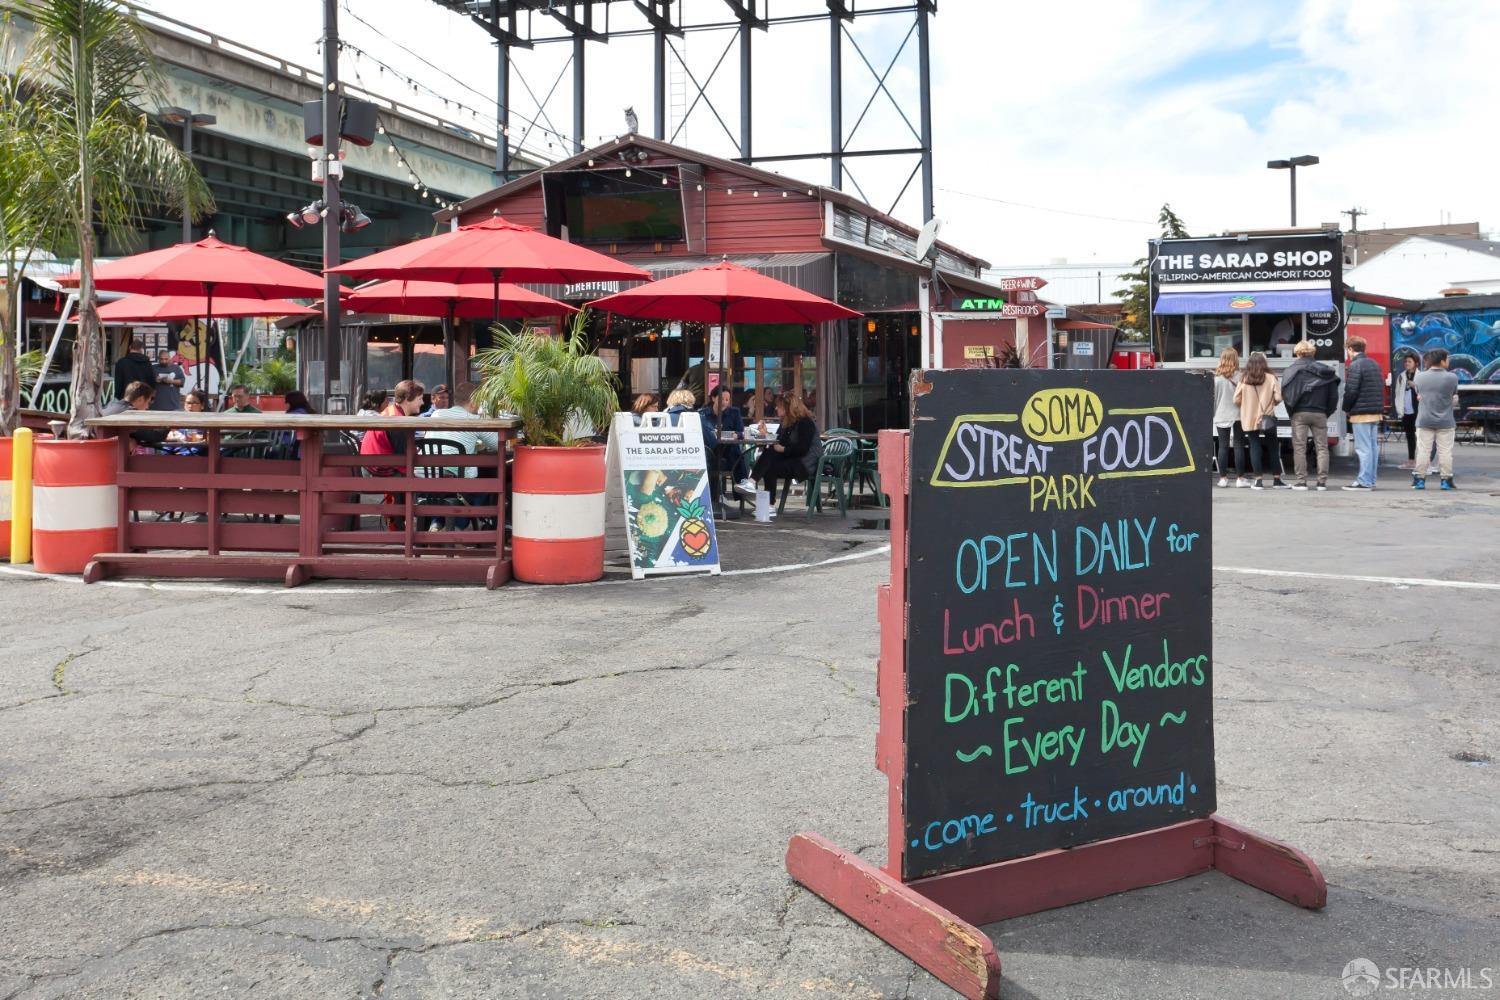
(668, 209)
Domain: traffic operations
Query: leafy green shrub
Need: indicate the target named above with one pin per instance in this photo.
(552, 383)
(272, 377)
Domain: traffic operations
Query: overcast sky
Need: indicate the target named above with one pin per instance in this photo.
(1060, 128)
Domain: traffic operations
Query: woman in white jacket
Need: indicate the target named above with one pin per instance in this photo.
(1227, 427)
(1404, 396)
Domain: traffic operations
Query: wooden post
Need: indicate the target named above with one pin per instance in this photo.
(122, 493)
(213, 491)
(408, 499)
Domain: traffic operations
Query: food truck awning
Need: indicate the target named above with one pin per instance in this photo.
(1285, 300)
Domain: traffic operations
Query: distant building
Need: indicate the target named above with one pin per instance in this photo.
(1362, 245)
(1072, 284)
(1422, 267)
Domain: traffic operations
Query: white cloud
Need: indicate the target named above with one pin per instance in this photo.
(1108, 107)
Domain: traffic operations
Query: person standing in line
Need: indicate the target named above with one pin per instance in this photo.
(1437, 389)
(1310, 390)
(1257, 395)
(133, 366)
(1404, 399)
(1227, 429)
(170, 379)
(1364, 402)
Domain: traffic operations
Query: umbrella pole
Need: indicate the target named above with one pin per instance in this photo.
(495, 281)
(448, 340)
(723, 343)
(208, 330)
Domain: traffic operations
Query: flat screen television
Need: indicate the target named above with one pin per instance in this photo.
(612, 208)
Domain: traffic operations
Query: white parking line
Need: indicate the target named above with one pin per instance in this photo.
(1398, 581)
(318, 588)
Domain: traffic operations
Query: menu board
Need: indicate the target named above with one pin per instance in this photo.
(1059, 644)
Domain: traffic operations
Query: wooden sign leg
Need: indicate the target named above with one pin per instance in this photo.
(1269, 865)
(951, 949)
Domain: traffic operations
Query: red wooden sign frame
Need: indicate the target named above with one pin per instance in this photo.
(934, 921)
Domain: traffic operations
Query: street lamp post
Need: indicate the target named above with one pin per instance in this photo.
(187, 119)
(1292, 165)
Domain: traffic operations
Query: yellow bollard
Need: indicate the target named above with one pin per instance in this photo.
(20, 500)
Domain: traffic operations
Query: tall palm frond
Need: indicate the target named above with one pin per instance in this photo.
(29, 213)
(89, 73)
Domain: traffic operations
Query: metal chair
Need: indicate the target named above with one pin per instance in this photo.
(836, 462)
(438, 446)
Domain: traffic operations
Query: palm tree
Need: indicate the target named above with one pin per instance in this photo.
(89, 73)
(28, 218)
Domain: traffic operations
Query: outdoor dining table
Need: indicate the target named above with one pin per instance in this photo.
(1487, 415)
(755, 443)
(319, 495)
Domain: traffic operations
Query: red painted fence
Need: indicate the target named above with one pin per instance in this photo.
(248, 508)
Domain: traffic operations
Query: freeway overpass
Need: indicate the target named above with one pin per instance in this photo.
(256, 162)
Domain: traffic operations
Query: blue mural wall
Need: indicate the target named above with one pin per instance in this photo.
(1472, 337)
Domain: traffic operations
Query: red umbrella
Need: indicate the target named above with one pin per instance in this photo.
(489, 250)
(148, 308)
(451, 300)
(724, 292)
(455, 300)
(205, 267)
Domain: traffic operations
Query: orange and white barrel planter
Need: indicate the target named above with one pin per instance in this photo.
(7, 494)
(75, 508)
(557, 514)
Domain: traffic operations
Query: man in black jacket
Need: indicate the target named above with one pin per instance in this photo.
(1310, 390)
(1364, 402)
(133, 366)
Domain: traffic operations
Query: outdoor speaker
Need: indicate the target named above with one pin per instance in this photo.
(312, 122)
(357, 126)
(359, 122)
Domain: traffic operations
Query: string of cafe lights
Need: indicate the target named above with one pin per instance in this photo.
(555, 138)
(492, 123)
(416, 181)
(625, 167)
(481, 121)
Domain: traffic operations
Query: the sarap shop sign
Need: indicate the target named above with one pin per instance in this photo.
(1253, 260)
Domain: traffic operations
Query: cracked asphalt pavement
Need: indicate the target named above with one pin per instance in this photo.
(427, 793)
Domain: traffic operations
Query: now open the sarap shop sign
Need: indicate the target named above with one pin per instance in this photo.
(662, 472)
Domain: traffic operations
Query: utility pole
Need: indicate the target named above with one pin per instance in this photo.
(332, 170)
(1354, 214)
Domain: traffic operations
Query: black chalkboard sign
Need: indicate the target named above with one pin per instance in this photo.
(1059, 647)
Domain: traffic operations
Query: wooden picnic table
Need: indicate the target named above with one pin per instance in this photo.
(306, 510)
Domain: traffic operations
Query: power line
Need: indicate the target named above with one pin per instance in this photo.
(533, 123)
(1044, 208)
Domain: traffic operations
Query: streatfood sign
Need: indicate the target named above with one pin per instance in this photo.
(1254, 260)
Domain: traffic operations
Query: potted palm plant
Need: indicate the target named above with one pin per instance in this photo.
(563, 396)
(271, 380)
